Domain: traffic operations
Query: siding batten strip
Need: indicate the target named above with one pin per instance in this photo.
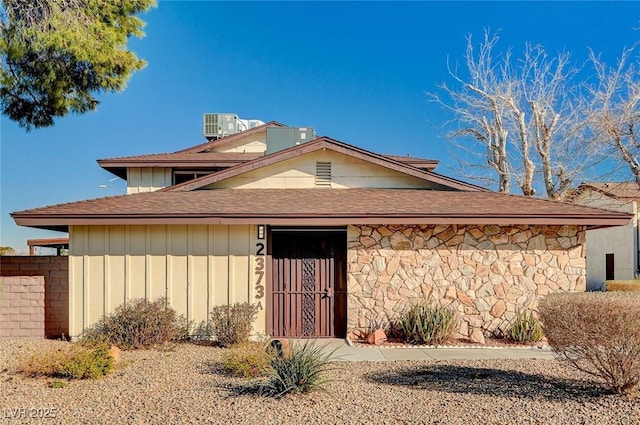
(229, 265)
(147, 263)
(85, 282)
(210, 269)
(169, 261)
(189, 288)
(105, 272)
(127, 265)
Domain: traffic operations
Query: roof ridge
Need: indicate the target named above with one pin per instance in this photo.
(231, 137)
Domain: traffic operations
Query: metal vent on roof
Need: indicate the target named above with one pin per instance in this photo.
(323, 174)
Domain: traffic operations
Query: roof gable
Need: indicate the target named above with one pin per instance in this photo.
(216, 144)
(626, 191)
(325, 143)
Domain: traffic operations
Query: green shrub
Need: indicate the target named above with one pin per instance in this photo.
(139, 323)
(301, 371)
(427, 324)
(525, 328)
(78, 361)
(231, 323)
(597, 333)
(247, 360)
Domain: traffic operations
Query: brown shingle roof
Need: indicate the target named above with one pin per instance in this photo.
(427, 164)
(203, 160)
(317, 206)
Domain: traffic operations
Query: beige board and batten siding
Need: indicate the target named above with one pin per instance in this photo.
(150, 179)
(195, 267)
(300, 173)
(253, 143)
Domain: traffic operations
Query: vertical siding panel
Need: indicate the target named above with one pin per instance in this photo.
(115, 271)
(198, 280)
(94, 295)
(178, 274)
(221, 260)
(137, 265)
(239, 263)
(159, 258)
(77, 253)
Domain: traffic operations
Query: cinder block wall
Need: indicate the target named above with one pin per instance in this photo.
(55, 270)
(22, 307)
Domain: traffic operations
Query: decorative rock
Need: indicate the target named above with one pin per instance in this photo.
(498, 309)
(400, 242)
(477, 336)
(115, 353)
(377, 337)
(368, 241)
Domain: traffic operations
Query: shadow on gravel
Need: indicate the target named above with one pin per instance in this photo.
(485, 381)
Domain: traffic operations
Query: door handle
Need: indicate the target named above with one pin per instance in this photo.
(327, 294)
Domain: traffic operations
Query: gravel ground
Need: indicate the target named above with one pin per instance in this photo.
(182, 385)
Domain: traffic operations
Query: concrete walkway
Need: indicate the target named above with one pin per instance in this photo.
(345, 352)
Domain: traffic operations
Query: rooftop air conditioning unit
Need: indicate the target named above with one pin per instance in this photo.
(279, 138)
(215, 126)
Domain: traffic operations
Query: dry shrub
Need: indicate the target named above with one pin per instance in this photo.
(139, 323)
(78, 361)
(597, 333)
(623, 285)
(231, 323)
(247, 359)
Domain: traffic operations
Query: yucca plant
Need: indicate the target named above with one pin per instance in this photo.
(302, 371)
(525, 328)
(427, 324)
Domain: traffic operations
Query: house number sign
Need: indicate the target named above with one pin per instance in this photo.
(259, 271)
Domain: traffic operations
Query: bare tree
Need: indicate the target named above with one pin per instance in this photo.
(526, 113)
(614, 115)
(480, 112)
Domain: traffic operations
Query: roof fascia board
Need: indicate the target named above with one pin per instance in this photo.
(59, 220)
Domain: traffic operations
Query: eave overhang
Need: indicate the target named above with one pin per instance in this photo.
(61, 222)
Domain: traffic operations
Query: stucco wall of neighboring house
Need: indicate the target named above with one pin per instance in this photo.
(621, 241)
(55, 271)
(300, 173)
(194, 266)
(148, 179)
(486, 272)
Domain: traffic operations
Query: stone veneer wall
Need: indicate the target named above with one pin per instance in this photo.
(486, 272)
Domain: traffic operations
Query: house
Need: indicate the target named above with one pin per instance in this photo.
(612, 253)
(327, 238)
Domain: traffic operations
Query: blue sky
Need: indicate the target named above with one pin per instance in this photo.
(356, 71)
